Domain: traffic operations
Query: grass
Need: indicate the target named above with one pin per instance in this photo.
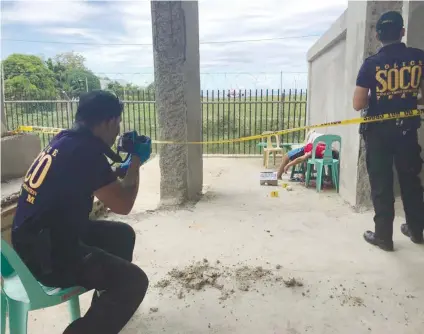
(223, 118)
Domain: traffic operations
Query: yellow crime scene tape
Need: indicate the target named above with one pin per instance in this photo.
(359, 120)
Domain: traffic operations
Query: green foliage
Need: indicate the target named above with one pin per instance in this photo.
(59, 71)
(131, 92)
(80, 80)
(71, 61)
(27, 75)
(72, 76)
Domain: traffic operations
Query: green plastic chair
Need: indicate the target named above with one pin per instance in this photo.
(327, 160)
(22, 293)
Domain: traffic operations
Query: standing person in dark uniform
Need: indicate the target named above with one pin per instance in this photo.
(389, 82)
(52, 232)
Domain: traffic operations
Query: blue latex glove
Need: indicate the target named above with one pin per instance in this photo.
(126, 164)
(143, 149)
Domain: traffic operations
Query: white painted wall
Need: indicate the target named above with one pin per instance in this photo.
(328, 98)
(333, 63)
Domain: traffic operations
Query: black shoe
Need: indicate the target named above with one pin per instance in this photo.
(416, 238)
(383, 244)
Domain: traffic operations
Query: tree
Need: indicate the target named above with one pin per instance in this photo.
(80, 81)
(27, 74)
(71, 60)
(59, 71)
(150, 91)
(71, 74)
(128, 91)
(115, 87)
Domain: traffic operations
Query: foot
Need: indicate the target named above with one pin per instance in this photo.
(416, 238)
(383, 244)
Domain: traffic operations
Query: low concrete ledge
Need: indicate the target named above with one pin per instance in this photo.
(17, 154)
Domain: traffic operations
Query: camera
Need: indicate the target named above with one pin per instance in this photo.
(128, 139)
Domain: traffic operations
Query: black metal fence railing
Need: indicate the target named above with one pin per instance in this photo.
(225, 114)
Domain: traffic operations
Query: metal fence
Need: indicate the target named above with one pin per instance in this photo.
(226, 115)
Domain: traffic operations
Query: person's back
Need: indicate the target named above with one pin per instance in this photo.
(393, 75)
(398, 72)
(52, 231)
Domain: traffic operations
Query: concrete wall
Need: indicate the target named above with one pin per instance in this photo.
(329, 48)
(327, 101)
(330, 71)
(17, 154)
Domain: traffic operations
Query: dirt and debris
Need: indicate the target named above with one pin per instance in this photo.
(154, 309)
(347, 299)
(293, 282)
(196, 276)
(163, 283)
(180, 294)
(226, 294)
(248, 273)
(203, 274)
(245, 276)
(243, 286)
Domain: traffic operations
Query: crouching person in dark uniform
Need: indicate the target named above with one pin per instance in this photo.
(389, 82)
(52, 231)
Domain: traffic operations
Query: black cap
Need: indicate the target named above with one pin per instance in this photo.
(389, 25)
(98, 106)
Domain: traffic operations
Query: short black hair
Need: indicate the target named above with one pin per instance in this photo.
(389, 27)
(98, 106)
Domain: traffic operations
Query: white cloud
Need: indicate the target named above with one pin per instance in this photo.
(77, 33)
(47, 12)
(220, 20)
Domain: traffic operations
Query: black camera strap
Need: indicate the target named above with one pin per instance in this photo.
(81, 130)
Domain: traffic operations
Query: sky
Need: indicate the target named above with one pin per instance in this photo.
(55, 25)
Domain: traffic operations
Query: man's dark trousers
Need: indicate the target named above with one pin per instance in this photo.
(387, 143)
(106, 266)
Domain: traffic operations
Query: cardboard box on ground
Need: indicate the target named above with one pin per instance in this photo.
(268, 178)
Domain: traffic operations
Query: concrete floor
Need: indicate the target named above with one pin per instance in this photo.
(348, 285)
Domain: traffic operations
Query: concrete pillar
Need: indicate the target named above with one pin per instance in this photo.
(361, 42)
(177, 83)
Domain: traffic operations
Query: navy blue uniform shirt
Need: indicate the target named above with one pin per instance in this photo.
(394, 76)
(57, 192)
